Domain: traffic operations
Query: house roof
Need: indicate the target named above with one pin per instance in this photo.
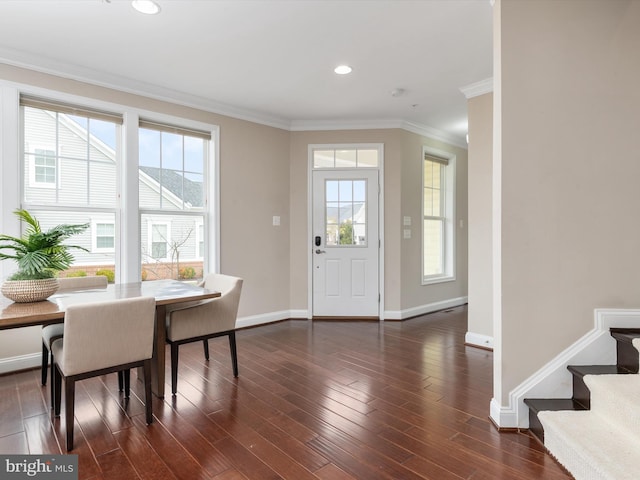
(182, 187)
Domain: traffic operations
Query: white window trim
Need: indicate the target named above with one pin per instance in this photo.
(199, 222)
(351, 146)
(94, 236)
(153, 222)
(32, 168)
(449, 231)
(128, 251)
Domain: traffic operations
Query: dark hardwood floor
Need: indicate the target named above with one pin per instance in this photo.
(314, 400)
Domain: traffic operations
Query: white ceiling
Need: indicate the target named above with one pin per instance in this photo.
(270, 61)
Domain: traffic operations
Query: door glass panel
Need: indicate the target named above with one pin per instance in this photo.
(346, 191)
(331, 193)
(359, 190)
(345, 212)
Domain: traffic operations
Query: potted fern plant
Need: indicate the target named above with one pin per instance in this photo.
(39, 256)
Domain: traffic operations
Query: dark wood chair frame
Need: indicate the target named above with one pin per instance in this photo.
(122, 375)
(70, 390)
(205, 340)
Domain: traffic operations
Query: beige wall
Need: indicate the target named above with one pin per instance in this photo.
(413, 293)
(480, 310)
(254, 180)
(263, 172)
(402, 197)
(570, 170)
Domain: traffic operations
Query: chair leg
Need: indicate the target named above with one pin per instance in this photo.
(57, 396)
(69, 401)
(51, 388)
(174, 368)
(234, 352)
(146, 369)
(45, 363)
(120, 381)
(127, 381)
(205, 343)
(53, 367)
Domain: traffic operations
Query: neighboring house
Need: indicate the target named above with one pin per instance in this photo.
(64, 179)
(352, 216)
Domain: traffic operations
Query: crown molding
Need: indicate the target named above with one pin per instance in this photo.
(123, 84)
(413, 127)
(127, 85)
(435, 134)
(478, 88)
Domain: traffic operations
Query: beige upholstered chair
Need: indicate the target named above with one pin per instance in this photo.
(54, 331)
(101, 338)
(204, 320)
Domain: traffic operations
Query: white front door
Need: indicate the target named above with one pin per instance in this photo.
(345, 243)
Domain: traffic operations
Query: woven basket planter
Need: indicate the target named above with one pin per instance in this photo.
(25, 291)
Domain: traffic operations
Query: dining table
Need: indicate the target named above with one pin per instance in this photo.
(166, 293)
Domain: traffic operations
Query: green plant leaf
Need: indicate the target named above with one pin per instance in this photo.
(38, 253)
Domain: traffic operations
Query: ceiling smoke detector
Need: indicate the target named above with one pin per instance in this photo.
(397, 92)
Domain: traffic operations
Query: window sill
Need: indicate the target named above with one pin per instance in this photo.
(440, 279)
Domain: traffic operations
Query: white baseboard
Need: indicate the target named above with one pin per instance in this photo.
(21, 362)
(263, 318)
(553, 380)
(504, 417)
(479, 340)
(424, 309)
(33, 360)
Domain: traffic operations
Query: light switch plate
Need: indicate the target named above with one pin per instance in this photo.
(407, 221)
(276, 220)
(406, 233)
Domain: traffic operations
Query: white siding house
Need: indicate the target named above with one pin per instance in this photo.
(64, 169)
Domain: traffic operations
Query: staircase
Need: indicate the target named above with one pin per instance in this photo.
(596, 433)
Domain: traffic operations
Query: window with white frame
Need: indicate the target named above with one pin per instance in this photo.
(159, 240)
(74, 150)
(172, 186)
(43, 170)
(75, 184)
(355, 157)
(200, 239)
(104, 236)
(438, 173)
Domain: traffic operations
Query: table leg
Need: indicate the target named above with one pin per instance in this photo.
(157, 364)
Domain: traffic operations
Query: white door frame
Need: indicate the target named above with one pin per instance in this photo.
(311, 147)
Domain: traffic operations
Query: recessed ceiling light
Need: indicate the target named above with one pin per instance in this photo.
(343, 69)
(147, 7)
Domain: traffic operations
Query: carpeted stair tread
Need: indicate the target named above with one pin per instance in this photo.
(615, 399)
(596, 434)
(588, 447)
